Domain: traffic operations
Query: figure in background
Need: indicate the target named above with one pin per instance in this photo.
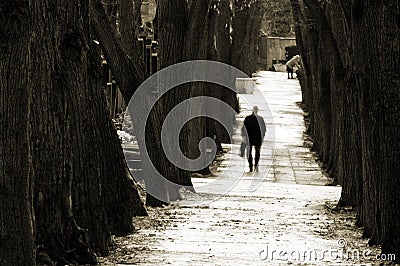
(294, 62)
(255, 129)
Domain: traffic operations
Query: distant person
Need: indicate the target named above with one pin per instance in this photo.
(255, 128)
(295, 61)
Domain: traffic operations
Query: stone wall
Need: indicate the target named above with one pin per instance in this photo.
(272, 50)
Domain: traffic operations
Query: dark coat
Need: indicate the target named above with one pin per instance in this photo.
(255, 128)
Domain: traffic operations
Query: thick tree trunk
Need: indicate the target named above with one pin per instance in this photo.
(94, 187)
(66, 133)
(17, 243)
(195, 48)
(194, 33)
(250, 45)
(86, 191)
(346, 162)
(362, 67)
(321, 82)
(56, 55)
(129, 73)
(335, 128)
(171, 17)
(180, 39)
(103, 181)
(380, 98)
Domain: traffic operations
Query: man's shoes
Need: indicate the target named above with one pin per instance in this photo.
(256, 169)
(251, 169)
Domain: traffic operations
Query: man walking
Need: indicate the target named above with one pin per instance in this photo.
(255, 128)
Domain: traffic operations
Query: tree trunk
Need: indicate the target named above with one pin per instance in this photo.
(85, 161)
(370, 207)
(239, 26)
(224, 50)
(345, 109)
(56, 55)
(171, 18)
(250, 44)
(129, 75)
(130, 22)
(195, 48)
(177, 42)
(381, 116)
(214, 129)
(68, 144)
(224, 22)
(123, 67)
(17, 242)
(127, 25)
(358, 41)
(194, 33)
(103, 181)
(246, 25)
(128, 71)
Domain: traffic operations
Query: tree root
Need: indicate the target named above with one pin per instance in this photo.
(74, 250)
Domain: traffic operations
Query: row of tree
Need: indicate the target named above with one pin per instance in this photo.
(221, 30)
(351, 90)
(65, 187)
(64, 184)
(190, 30)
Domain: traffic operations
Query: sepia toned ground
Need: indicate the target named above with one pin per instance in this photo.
(283, 215)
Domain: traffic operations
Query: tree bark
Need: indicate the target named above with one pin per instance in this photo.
(224, 51)
(194, 32)
(381, 114)
(172, 16)
(57, 52)
(224, 22)
(239, 26)
(68, 144)
(17, 242)
(75, 145)
(129, 72)
(195, 48)
(246, 24)
(127, 25)
(214, 129)
(103, 181)
(358, 41)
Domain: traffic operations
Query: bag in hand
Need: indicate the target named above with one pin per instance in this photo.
(243, 146)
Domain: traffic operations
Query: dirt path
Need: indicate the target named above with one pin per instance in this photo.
(275, 217)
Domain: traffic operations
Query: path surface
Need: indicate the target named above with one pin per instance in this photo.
(262, 216)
